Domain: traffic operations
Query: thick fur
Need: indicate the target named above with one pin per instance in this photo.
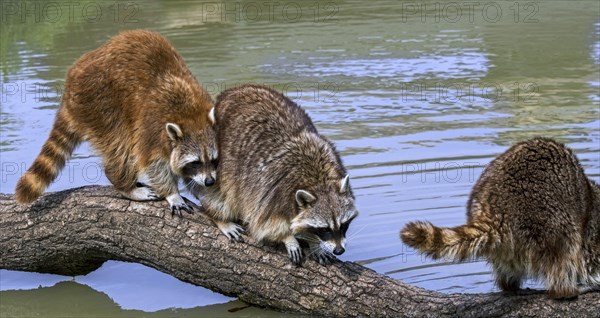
(120, 97)
(534, 213)
(272, 164)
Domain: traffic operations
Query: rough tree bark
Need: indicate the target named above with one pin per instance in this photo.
(73, 232)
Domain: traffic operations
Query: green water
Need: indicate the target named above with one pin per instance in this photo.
(418, 96)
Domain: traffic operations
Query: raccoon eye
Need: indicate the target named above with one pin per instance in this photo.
(344, 227)
(324, 233)
(215, 163)
(195, 164)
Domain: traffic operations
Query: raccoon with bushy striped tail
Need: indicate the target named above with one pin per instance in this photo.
(137, 103)
(532, 213)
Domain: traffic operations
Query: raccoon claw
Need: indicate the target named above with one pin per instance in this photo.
(176, 209)
(295, 255)
(231, 230)
(294, 250)
(588, 289)
(178, 204)
(324, 258)
(191, 204)
(235, 234)
(142, 193)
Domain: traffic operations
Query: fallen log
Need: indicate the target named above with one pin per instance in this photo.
(73, 232)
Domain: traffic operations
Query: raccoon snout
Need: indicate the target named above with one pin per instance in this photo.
(209, 181)
(338, 250)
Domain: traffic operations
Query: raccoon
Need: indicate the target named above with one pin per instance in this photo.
(277, 176)
(137, 103)
(532, 213)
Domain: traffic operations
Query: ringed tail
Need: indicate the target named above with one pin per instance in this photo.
(458, 243)
(57, 149)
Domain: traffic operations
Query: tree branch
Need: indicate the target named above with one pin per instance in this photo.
(73, 232)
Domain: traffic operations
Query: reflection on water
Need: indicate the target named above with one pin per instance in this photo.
(417, 109)
(87, 302)
(470, 64)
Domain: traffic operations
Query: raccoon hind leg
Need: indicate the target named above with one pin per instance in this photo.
(141, 192)
(124, 177)
(564, 290)
(561, 280)
(215, 206)
(560, 268)
(509, 268)
(508, 277)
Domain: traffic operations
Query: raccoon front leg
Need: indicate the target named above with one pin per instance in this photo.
(160, 177)
(294, 250)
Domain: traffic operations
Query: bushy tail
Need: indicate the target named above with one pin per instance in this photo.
(56, 151)
(457, 243)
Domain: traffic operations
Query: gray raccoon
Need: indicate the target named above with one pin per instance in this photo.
(533, 212)
(277, 176)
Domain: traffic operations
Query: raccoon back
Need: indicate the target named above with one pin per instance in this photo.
(536, 193)
(532, 201)
(119, 97)
(269, 148)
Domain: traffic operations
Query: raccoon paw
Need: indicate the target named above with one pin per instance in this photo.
(192, 204)
(584, 289)
(231, 230)
(323, 257)
(179, 203)
(294, 250)
(563, 293)
(295, 254)
(142, 193)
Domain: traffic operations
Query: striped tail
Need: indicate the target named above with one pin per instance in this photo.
(56, 151)
(458, 243)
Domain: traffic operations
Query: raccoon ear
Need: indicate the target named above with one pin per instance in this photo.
(344, 183)
(304, 198)
(211, 116)
(173, 131)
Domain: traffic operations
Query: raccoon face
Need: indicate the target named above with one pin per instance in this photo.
(325, 216)
(194, 157)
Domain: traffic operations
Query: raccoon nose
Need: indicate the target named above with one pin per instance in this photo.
(209, 181)
(338, 250)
